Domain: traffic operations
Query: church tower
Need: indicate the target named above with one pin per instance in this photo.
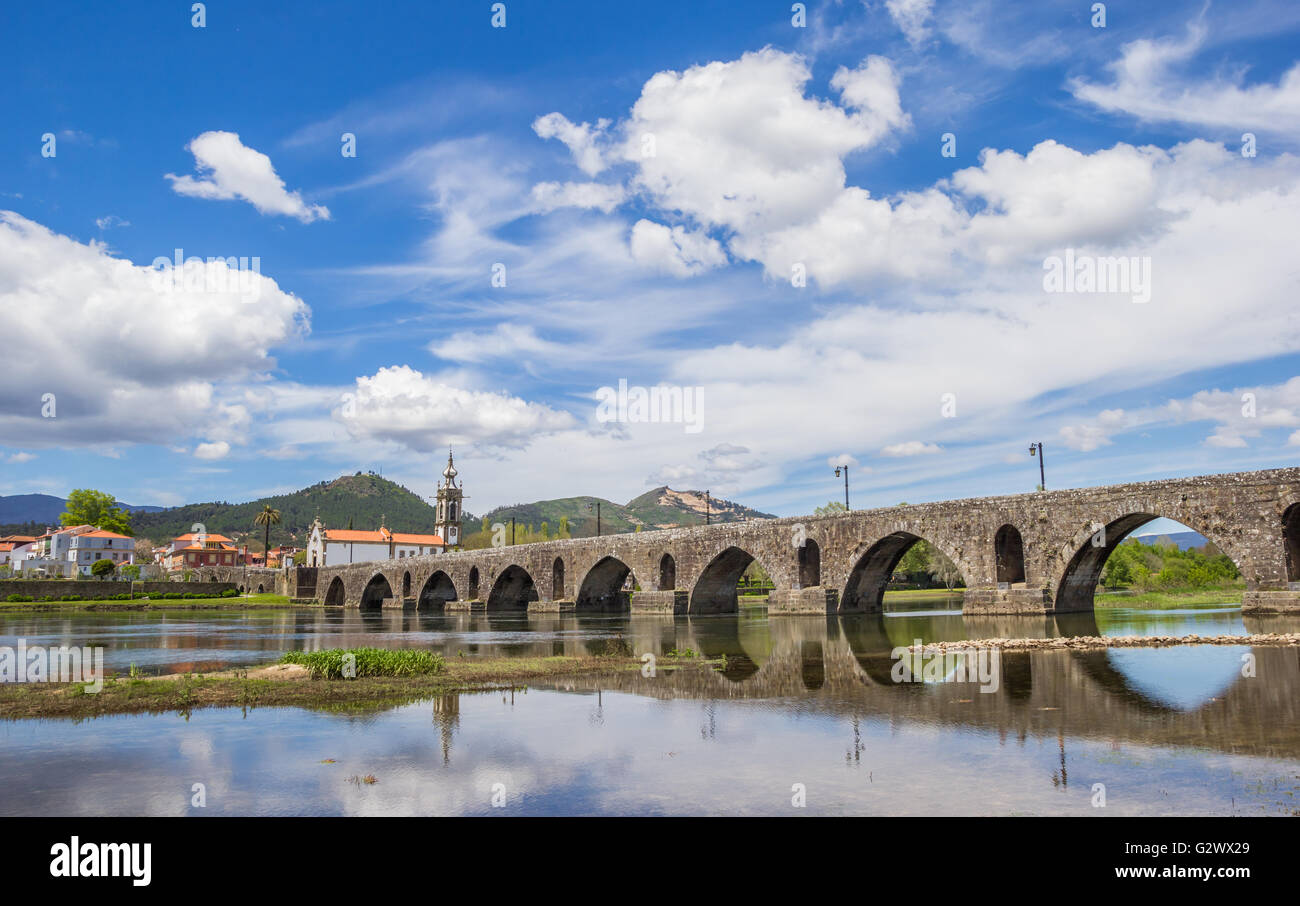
(449, 506)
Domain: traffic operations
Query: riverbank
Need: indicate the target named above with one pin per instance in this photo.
(292, 685)
(244, 602)
(1229, 596)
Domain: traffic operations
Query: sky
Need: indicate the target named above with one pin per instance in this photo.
(881, 234)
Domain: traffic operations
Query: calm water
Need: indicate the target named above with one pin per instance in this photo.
(801, 701)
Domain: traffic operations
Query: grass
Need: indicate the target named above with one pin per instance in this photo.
(1170, 600)
(332, 663)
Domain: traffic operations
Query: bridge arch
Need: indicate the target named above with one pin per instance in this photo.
(810, 564)
(472, 594)
(1009, 551)
(667, 573)
(376, 591)
(514, 589)
(602, 587)
(715, 589)
(406, 585)
(437, 590)
(1091, 547)
(1291, 541)
(337, 594)
(557, 579)
(864, 590)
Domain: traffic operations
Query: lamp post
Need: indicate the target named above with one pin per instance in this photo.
(1042, 475)
(596, 507)
(707, 507)
(845, 467)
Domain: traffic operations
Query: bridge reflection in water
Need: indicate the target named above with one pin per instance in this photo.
(1181, 696)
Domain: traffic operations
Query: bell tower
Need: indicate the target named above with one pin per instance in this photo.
(449, 509)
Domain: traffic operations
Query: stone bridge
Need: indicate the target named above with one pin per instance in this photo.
(1029, 553)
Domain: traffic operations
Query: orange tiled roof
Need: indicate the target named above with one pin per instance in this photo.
(357, 537)
(190, 536)
(402, 538)
(100, 533)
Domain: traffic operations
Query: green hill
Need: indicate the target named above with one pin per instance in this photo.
(658, 509)
(359, 499)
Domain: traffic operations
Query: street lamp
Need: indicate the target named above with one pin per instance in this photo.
(597, 507)
(1042, 476)
(845, 467)
(707, 507)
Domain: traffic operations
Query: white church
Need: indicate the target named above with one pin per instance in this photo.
(333, 547)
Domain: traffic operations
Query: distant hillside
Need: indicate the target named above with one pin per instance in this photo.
(29, 514)
(658, 509)
(1184, 540)
(360, 499)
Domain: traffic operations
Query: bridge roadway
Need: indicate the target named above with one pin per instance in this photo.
(1031, 553)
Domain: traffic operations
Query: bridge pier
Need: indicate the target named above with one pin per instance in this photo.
(676, 602)
(560, 606)
(1014, 599)
(815, 599)
(1271, 600)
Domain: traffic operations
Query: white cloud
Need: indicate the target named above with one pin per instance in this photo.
(149, 361)
(402, 405)
(505, 341)
(674, 250)
(583, 141)
(910, 448)
(1146, 85)
(601, 196)
(911, 17)
(229, 169)
(842, 459)
(19, 458)
(210, 451)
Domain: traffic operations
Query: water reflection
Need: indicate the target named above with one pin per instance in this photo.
(807, 699)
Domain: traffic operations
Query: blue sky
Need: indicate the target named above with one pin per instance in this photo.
(650, 180)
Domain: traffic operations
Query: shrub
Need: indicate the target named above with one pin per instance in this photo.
(18, 598)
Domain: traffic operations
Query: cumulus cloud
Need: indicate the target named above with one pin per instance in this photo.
(402, 405)
(1146, 84)
(216, 450)
(152, 358)
(674, 250)
(584, 141)
(229, 169)
(19, 458)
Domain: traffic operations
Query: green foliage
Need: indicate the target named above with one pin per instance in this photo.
(832, 508)
(1162, 566)
(88, 507)
(102, 568)
(369, 662)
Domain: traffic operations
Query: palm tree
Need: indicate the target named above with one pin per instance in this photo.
(268, 517)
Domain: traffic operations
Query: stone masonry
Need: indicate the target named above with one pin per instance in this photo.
(1029, 553)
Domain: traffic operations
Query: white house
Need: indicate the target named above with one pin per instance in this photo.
(331, 547)
(72, 550)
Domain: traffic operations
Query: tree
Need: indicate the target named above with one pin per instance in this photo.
(103, 568)
(130, 571)
(831, 508)
(143, 550)
(943, 569)
(268, 517)
(88, 507)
